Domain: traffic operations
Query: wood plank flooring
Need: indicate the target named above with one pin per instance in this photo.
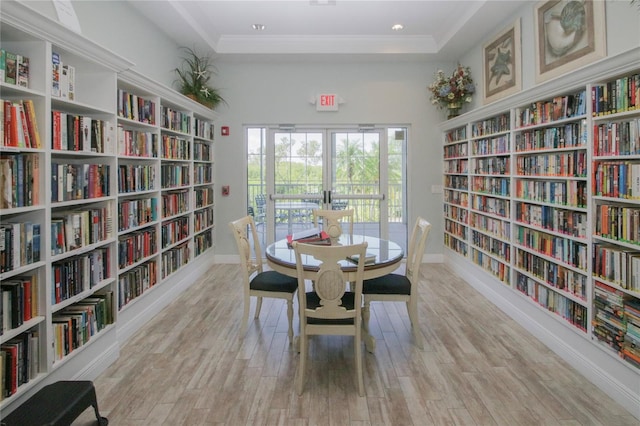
(188, 366)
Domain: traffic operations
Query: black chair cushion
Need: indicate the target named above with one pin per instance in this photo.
(313, 302)
(388, 284)
(274, 281)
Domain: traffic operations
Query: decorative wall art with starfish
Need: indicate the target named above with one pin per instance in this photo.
(502, 63)
(569, 34)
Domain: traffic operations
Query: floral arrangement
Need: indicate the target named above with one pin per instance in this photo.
(456, 89)
(194, 76)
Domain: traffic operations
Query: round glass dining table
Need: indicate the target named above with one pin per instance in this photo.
(388, 255)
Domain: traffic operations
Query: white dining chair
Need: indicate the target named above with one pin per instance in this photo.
(256, 281)
(329, 308)
(332, 221)
(401, 287)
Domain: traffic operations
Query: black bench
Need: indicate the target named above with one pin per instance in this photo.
(59, 403)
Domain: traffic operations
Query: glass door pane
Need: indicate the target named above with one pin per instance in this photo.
(357, 179)
(298, 179)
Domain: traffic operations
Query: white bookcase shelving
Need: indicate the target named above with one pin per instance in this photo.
(82, 221)
(542, 198)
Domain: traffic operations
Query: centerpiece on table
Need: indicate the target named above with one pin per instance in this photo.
(194, 76)
(453, 91)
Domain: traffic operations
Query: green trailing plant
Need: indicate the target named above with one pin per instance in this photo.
(194, 76)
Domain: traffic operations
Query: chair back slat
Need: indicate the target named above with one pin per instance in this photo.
(415, 252)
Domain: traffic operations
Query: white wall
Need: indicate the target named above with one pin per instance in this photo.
(381, 93)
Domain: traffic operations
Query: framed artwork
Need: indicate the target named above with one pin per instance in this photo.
(501, 60)
(569, 34)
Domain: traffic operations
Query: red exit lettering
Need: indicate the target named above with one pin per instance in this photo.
(327, 100)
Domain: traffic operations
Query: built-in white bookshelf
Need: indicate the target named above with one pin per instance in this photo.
(550, 231)
(83, 206)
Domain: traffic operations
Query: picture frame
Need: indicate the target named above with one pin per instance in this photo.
(502, 63)
(568, 35)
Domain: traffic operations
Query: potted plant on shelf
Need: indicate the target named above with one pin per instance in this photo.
(453, 91)
(194, 76)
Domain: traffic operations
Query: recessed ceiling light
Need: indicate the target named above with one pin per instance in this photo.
(397, 27)
(258, 27)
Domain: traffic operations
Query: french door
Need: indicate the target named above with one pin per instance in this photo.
(294, 170)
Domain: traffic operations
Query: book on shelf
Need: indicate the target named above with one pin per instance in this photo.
(22, 74)
(309, 236)
(368, 258)
(55, 77)
(10, 67)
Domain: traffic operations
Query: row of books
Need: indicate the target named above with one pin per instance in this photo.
(619, 223)
(19, 124)
(174, 230)
(608, 324)
(175, 258)
(572, 193)
(202, 242)
(456, 166)
(456, 181)
(455, 244)
(174, 175)
(497, 145)
(565, 136)
(19, 245)
(456, 135)
(136, 178)
(175, 148)
(19, 301)
(555, 275)
(133, 143)
(14, 68)
(75, 275)
(63, 78)
(491, 185)
(553, 219)
(177, 121)
(617, 138)
(617, 265)
(72, 132)
(571, 252)
(71, 230)
(491, 125)
(620, 95)
(617, 179)
(631, 345)
(204, 129)
(557, 108)
(497, 227)
(456, 151)
(202, 219)
(79, 181)
(491, 245)
(456, 197)
(202, 173)
(571, 164)
(136, 108)
(136, 246)
(75, 325)
(552, 301)
(19, 180)
(137, 212)
(202, 151)
(203, 196)
(136, 281)
(455, 228)
(174, 203)
(495, 206)
(19, 362)
(489, 263)
(491, 165)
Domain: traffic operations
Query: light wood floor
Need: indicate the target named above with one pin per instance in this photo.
(188, 366)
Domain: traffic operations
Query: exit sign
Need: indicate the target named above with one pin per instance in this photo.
(327, 102)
